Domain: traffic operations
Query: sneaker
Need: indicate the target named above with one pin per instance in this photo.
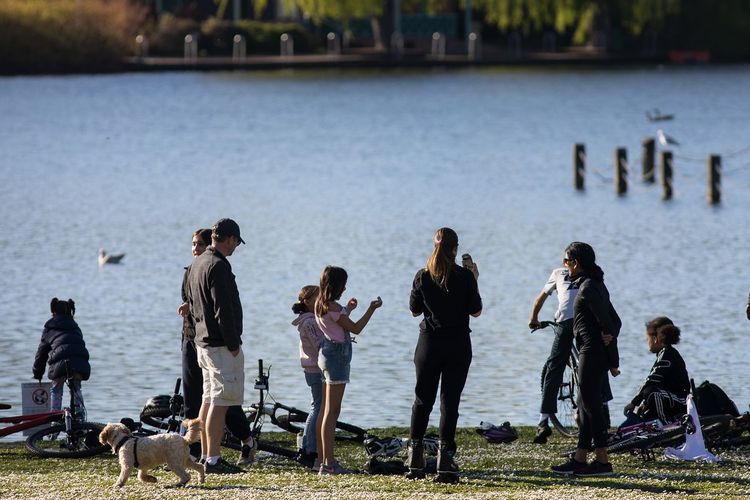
(331, 470)
(543, 431)
(222, 467)
(306, 459)
(595, 468)
(247, 454)
(572, 466)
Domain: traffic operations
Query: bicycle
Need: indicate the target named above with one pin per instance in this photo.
(160, 408)
(69, 436)
(565, 420)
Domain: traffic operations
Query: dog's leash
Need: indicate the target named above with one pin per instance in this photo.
(135, 448)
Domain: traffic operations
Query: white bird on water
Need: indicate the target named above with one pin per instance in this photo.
(104, 258)
(666, 140)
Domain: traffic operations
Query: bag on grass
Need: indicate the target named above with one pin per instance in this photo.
(712, 400)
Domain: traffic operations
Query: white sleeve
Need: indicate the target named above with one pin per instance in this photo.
(551, 284)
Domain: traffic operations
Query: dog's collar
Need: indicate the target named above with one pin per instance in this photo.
(135, 448)
(122, 442)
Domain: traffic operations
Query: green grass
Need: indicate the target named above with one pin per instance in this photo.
(516, 470)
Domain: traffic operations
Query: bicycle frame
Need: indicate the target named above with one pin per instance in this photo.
(23, 422)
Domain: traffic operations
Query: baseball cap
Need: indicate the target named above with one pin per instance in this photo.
(227, 227)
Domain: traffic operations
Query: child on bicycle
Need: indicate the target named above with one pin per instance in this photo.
(667, 385)
(335, 355)
(62, 346)
(310, 338)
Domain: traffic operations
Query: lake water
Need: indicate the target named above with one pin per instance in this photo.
(358, 170)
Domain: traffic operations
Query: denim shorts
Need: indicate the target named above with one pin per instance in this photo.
(335, 360)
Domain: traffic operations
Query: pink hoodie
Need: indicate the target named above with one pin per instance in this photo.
(310, 338)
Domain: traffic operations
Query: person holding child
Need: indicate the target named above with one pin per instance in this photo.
(446, 295)
(310, 338)
(63, 347)
(335, 356)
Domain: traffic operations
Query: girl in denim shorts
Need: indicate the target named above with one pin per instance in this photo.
(335, 356)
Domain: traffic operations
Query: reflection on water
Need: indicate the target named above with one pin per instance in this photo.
(358, 170)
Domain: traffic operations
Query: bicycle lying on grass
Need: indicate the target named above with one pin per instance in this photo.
(69, 436)
(164, 413)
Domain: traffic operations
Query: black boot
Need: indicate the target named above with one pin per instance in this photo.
(415, 460)
(447, 470)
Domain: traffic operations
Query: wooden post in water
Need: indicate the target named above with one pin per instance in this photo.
(579, 166)
(714, 179)
(666, 175)
(648, 159)
(621, 171)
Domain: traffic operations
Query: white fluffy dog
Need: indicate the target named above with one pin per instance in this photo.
(144, 453)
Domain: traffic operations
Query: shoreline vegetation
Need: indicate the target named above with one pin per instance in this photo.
(99, 36)
(516, 470)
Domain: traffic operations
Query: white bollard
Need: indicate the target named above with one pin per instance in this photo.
(438, 46)
(191, 48)
(334, 44)
(397, 44)
(141, 46)
(287, 45)
(239, 48)
(474, 47)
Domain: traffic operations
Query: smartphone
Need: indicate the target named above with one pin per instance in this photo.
(466, 261)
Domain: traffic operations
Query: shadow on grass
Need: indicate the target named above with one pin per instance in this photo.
(542, 479)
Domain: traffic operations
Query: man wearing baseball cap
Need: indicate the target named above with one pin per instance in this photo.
(217, 313)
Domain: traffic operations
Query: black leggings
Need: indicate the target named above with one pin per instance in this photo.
(192, 388)
(443, 360)
(592, 370)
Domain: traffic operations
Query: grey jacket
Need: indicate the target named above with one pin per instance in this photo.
(214, 301)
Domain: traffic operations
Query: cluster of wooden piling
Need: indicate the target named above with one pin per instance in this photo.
(648, 163)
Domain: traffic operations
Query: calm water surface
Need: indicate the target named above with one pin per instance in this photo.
(358, 170)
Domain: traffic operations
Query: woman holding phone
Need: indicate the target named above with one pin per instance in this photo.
(446, 295)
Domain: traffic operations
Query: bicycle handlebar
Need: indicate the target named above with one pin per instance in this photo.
(545, 324)
(177, 386)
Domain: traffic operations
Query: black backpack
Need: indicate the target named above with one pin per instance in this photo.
(711, 399)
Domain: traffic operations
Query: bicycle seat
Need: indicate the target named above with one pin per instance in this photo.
(4, 406)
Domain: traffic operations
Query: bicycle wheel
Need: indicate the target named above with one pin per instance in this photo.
(646, 441)
(156, 416)
(567, 408)
(55, 442)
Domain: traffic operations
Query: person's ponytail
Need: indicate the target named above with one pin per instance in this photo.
(440, 263)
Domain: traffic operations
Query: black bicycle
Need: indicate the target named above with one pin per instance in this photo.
(565, 420)
(162, 411)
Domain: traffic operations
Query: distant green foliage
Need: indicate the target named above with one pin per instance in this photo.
(49, 36)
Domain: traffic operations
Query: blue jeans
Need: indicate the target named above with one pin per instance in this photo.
(315, 382)
(56, 395)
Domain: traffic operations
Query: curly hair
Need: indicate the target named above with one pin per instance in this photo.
(664, 330)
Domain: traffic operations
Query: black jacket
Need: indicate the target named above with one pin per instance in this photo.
(445, 311)
(594, 315)
(62, 341)
(214, 301)
(188, 327)
(668, 373)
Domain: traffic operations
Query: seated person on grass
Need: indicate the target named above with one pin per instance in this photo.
(667, 385)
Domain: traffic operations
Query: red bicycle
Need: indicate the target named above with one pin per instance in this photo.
(68, 436)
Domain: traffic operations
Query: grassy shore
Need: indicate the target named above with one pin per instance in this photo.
(516, 470)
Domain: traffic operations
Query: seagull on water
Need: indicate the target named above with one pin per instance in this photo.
(104, 258)
(666, 140)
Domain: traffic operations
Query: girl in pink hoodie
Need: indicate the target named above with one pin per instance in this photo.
(310, 337)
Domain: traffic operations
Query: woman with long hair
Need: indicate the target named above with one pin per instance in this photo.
(595, 326)
(446, 295)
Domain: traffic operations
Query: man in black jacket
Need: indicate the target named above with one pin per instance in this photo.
(217, 314)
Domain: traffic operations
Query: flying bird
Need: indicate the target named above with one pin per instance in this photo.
(666, 140)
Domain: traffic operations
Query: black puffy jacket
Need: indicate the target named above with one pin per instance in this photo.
(62, 341)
